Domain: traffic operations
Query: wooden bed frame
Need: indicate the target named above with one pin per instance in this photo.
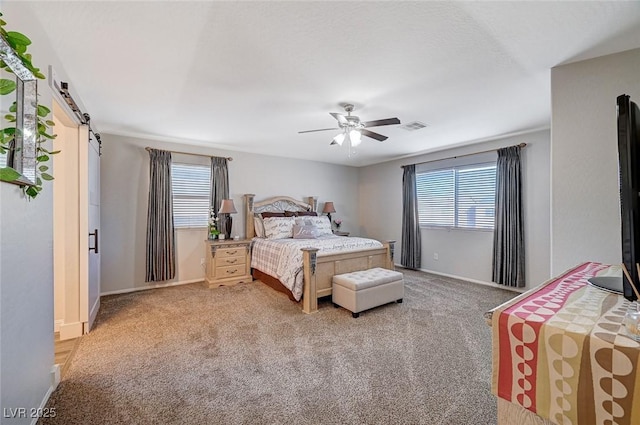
(318, 270)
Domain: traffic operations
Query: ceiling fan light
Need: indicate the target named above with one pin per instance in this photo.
(339, 139)
(355, 137)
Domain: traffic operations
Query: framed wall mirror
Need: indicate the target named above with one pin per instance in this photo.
(21, 152)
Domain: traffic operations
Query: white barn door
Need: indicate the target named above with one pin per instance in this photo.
(90, 234)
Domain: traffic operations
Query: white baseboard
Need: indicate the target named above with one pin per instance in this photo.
(467, 279)
(71, 330)
(55, 380)
(92, 315)
(146, 287)
(55, 376)
(57, 324)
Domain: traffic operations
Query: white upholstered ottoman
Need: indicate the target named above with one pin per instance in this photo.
(365, 289)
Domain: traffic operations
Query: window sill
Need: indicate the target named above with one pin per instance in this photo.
(463, 229)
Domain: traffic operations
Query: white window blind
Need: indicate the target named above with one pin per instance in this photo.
(457, 197)
(191, 185)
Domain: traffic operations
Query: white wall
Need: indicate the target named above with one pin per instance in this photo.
(584, 157)
(463, 253)
(125, 185)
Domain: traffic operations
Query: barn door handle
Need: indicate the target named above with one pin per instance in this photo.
(95, 241)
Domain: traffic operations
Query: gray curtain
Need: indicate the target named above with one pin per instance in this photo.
(161, 251)
(411, 243)
(219, 187)
(508, 237)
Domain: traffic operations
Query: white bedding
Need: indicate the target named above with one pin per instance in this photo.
(282, 258)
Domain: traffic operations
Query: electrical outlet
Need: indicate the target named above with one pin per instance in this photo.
(202, 261)
(435, 255)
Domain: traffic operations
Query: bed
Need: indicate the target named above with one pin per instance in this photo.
(303, 268)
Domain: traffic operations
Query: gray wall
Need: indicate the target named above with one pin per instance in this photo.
(585, 196)
(463, 253)
(26, 264)
(26, 298)
(125, 186)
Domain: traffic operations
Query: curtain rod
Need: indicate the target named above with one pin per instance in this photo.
(228, 158)
(522, 145)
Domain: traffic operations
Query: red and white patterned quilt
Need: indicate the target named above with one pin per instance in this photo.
(562, 352)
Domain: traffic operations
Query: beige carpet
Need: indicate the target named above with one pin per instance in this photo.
(248, 355)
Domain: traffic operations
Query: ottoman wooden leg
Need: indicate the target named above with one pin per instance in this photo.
(355, 315)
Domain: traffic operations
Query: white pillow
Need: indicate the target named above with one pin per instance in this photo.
(278, 227)
(301, 221)
(304, 232)
(322, 224)
(258, 227)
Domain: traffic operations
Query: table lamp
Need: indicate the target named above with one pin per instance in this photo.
(227, 208)
(328, 209)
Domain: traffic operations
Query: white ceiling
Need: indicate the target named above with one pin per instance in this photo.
(248, 76)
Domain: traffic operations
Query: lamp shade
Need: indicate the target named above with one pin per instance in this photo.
(355, 136)
(339, 139)
(227, 207)
(328, 207)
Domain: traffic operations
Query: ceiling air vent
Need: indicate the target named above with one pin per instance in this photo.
(413, 126)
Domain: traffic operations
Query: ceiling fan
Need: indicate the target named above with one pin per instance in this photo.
(353, 129)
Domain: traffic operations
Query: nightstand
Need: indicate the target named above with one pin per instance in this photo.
(228, 262)
(339, 233)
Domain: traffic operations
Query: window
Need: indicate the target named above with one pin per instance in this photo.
(457, 197)
(190, 184)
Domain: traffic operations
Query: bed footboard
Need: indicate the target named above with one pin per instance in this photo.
(319, 270)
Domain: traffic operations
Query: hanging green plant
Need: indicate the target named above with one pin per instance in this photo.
(19, 43)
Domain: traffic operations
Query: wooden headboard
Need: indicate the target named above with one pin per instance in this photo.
(275, 204)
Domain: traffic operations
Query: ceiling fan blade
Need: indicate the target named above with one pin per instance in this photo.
(341, 119)
(388, 121)
(322, 129)
(333, 142)
(378, 137)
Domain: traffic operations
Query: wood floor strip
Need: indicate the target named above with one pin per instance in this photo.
(64, 352)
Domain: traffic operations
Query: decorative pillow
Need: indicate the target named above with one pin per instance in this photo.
(278, 227)
(258, 226)
(303, 221)
(268, 214)
(322, 223)
(304, 232)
